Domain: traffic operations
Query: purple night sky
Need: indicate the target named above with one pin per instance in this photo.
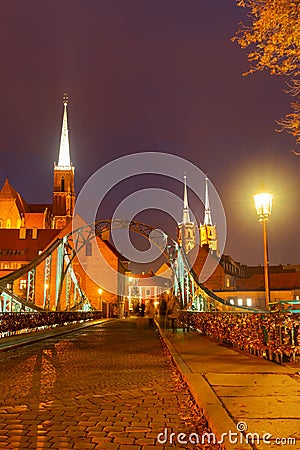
(147, 75)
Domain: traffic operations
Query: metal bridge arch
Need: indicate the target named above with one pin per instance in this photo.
(185, 282)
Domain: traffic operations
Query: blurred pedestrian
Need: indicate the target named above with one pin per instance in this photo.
(150, 313)
(142, 308)
(162, 311)
(173, 312)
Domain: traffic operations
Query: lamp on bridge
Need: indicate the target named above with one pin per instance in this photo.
(100, 291)
(263, 205)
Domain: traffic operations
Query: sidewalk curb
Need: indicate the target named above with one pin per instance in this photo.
(32, 339)
(216, 415)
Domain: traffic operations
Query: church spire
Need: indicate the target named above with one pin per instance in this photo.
(207, 214)
(186, 209)
(64, 161)
(63, 186)
(186, 229)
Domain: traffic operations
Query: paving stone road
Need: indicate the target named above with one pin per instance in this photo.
(109, 386)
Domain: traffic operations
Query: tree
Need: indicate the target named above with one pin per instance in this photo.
(273, 40)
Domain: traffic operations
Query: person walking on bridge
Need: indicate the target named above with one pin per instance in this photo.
(150, 313)
(173, 312)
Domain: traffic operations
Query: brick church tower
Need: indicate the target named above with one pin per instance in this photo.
(63, 189)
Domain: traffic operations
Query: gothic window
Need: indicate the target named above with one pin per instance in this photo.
(62, 184)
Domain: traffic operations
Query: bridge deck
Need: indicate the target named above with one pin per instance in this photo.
(108, 386)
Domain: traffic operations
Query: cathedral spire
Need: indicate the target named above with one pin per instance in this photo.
(207, 214)
(64, 161)
(63, 186)
(186, 209)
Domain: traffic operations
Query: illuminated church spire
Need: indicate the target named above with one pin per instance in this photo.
(64, 160)
(186, 229)
(186, 209)
(208, 231)
(207, 214)
(63, 186)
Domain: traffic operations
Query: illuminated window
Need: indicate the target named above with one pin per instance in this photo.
(240, 301)
(297, 297)
(227, 282)
(231, 301)
(8, 223)
(249, 302)
(23, 285)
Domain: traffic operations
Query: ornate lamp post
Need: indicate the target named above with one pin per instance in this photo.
(263, 205)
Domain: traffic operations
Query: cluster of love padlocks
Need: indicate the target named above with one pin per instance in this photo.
(15, 322)
(274, 336)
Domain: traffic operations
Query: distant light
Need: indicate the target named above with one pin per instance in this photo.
(100, 291)
(240, 301)
(231, 301)
(249, 302)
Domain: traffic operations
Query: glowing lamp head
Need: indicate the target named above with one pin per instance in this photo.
(263, 205)
(100, 291)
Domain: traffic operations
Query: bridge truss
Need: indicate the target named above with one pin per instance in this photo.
(52, 283)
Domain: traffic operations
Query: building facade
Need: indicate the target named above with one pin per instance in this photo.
(26, 230)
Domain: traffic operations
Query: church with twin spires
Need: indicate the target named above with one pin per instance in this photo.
(187, 229)
(16, 213)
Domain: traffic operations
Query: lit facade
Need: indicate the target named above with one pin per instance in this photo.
(28, 229)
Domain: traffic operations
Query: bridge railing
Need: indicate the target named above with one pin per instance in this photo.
(12, 323)
(274, 336)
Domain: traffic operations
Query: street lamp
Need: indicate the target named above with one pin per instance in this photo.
(263, 205)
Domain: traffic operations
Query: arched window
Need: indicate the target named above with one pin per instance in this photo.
(62, 184)
(8, 223)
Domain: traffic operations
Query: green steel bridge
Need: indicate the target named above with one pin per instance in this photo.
(55, 266)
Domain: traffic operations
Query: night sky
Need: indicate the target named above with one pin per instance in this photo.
(148, 75)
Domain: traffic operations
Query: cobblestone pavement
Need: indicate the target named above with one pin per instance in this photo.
(110, 386)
